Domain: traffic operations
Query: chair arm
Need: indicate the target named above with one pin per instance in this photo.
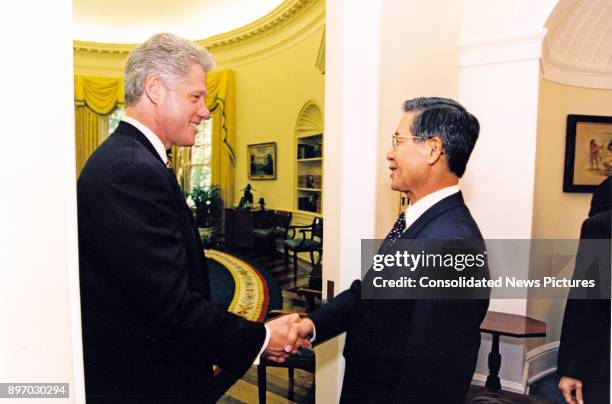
(304, 231)
(292, 229)
(309, 292)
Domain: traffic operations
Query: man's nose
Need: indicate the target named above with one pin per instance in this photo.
(390, 155)
(203, 111)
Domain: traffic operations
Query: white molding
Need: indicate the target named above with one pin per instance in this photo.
(576, 76)
(540, 362)
(501, 49)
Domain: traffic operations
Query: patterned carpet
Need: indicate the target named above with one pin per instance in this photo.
(242, 286)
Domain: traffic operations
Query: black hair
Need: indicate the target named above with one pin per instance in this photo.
(449, 120)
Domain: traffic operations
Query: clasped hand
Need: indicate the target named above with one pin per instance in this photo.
(287, 335)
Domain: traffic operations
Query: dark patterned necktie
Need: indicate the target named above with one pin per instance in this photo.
(170, 167)
(398, 228)
(395, 233)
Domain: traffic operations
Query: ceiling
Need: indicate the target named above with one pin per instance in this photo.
(133, 21)
(577, 49)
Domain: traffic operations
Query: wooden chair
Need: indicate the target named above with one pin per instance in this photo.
(311, 242)
(269, 235)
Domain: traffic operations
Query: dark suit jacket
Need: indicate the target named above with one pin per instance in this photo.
(584, 350)
(409, 351)
(149, 329)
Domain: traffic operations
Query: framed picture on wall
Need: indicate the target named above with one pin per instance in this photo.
(261, 160)
(588, 152)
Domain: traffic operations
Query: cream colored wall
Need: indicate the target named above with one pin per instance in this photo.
(416, 61)
(269, 95)
(558, 215)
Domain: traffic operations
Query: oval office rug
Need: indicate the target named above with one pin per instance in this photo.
(241, 286)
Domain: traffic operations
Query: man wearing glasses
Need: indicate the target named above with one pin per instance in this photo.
(414, 350)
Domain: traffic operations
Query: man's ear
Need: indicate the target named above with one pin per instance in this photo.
(153, 88)
(436, 149)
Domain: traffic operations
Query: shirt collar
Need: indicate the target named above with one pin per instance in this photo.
(415, 210)
(151, 137)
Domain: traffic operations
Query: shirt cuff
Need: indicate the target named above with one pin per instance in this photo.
(314, 333)
(264, 346)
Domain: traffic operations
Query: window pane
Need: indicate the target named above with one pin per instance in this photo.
(114, 119)
(200, 169)
(200, 177)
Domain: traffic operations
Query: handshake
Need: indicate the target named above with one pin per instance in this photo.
(288, 334)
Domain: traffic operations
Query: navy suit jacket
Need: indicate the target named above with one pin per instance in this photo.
(409, 350)
(584, 350)
(150, 332)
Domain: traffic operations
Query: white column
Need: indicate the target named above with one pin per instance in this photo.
(499, 81)
(40, 339)
(351, 124)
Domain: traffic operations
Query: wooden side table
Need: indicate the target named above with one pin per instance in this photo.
(510, 325)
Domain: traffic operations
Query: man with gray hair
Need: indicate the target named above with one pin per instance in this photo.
(150, 333)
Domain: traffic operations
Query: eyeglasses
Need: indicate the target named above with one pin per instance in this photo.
(397, 139)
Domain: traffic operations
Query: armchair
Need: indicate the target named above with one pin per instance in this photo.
(269, 235)
(311, 242)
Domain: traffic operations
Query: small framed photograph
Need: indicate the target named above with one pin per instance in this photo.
(588, 152)
(261, 160)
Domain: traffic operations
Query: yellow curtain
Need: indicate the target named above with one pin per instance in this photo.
(221, 101)
(94, 99)
(90, 130)
(99, 96)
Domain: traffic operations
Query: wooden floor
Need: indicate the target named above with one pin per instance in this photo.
(245, 389)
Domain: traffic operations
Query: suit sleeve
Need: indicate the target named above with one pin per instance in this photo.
(332, 318)
(139, 229)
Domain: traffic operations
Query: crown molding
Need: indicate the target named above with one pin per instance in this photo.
(577, 76)
(502, 49)
(279, 17)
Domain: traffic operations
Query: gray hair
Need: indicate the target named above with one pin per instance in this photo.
(166, 55)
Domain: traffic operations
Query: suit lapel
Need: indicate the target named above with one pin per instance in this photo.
(412, 232)
(125, 128)
(430, 214)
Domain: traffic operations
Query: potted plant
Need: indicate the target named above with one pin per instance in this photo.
(207, 207)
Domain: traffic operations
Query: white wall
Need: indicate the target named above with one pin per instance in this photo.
(351, 102)
(40, 337)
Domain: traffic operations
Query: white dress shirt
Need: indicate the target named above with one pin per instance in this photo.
(150, 135)
(414, 211)
(161, 150)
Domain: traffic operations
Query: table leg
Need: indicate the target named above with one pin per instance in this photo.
(493, 382)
